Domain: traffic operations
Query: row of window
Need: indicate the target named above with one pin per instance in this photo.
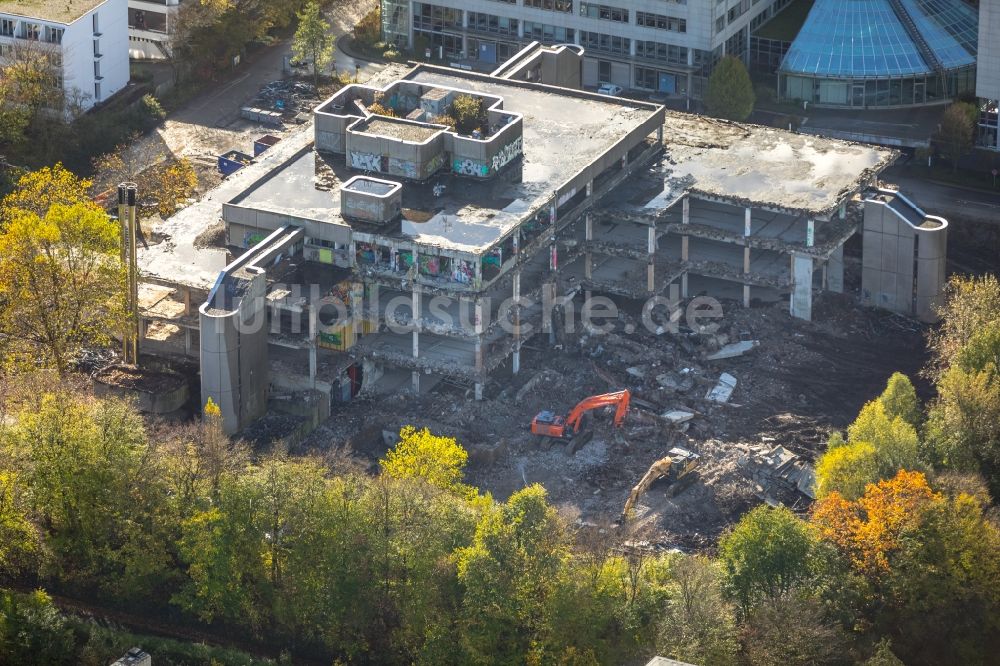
(671, 53)
(33, 31)
(496, 24)
(604, 12)
(435, 17)
(548, 34)
(597, 41)
(661, 22)
(551, 5)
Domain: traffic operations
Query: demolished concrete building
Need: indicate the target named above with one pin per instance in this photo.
(396, 245)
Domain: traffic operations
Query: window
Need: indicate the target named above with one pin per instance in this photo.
(97, 48)
(54, 35)
(738, 10)
(603, 71)
(31, 31)
(434, 18)
(97, 69)
(97, 25)
(720, 24)
(671, 53)
(97, 91)
(7, 27)
(661, 22)
(496, 24)
(551, 5)
(548, 34)
(596, 41)
(604, 12)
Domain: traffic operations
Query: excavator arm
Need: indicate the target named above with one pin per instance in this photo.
(619, 398)
(657, 470)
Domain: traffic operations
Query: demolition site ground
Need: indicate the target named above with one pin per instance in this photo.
(802, 381)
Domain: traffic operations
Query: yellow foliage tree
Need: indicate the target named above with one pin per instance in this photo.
(419, 454)
(37, 191)
(61, 282)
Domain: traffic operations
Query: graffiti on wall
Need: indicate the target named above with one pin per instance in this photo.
(403, 168)
(367, 162)
(467, 167)
(506, 154)
(434, 164)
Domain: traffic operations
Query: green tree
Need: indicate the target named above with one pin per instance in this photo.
(313, 41)
(18, 538)
(765, 555)
(730, 92)
(93, 489)
(419, 454)
(792, 629)
(900, 399)
(507, 575)
(37, 191)
(698, 624)
(32, 631)
(957, 130)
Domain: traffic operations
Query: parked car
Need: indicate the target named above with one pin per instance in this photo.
(609, 89)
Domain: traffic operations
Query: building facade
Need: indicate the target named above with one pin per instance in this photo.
(988, 73)
(661, 46)
(87, 41)
(149, 25)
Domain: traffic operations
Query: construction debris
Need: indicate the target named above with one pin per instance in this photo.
(778, 474)
(733, 350)
(723, 390)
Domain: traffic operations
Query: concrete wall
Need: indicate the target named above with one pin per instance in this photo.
(988, 60)
(903, 266)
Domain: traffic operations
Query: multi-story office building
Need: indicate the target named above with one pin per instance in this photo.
(662, 46)
(87, 40)
(988, 73)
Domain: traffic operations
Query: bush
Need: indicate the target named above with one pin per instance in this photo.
(730, 91)
(150, 108)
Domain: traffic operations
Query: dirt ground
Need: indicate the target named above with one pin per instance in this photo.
(804, 380)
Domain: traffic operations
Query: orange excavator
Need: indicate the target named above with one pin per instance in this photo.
(549, 426)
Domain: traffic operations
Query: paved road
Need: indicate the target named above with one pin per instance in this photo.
(948, 201)
(210, 122)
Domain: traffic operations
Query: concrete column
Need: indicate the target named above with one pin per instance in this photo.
(187, 341)
(835, 271)
(685, 219)
(480, 361)
(517, 323)
(747, 228)
(516, 239)
(651, 251)
(313, 333)
(187, 300)
(590, 188)
(843, 210)
(810, 233)
(800, 302)
(416, 335)
(588, 255)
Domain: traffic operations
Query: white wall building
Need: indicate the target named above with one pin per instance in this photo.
(988, 73)
(88, 38)
(662, 46)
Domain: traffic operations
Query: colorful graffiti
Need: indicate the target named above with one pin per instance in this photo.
(507, 153)
(403, 168)
(434, 164)
(467, 167)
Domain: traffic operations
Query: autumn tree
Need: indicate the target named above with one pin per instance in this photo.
(36, 191)
(765, 555)
(163, 183)
(730, 92)
(61, 280)
(419, 454)
(930, 561)
(900, 399)
(313, 41)
(32, 100)
(792, 629)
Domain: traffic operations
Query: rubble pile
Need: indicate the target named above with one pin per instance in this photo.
(759, 387)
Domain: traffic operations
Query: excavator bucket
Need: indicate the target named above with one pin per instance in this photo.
(579, 440)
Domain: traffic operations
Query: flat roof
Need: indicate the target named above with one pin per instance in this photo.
(395, 128)
(562, 134)
(57, 11)
(766, 167)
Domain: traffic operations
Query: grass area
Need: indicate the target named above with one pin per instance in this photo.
(786, 25)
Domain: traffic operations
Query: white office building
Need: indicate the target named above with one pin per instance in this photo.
(988, 73)
(87, 39)
(661, 46)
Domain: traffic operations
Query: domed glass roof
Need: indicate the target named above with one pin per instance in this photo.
(881, 38)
